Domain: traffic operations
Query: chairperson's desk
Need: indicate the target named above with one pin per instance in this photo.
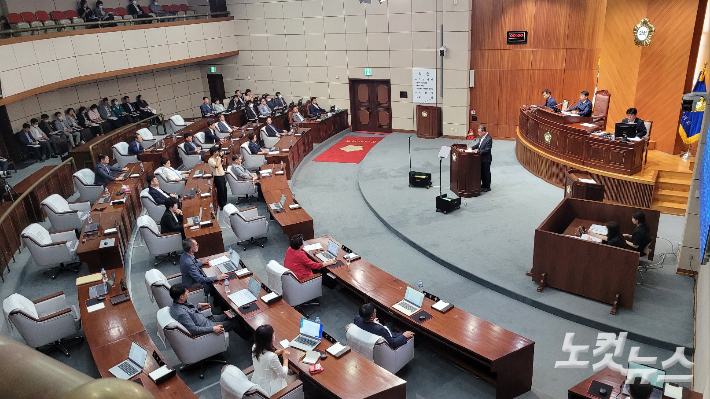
(350, 376)
(497, 355)
(615, 379)
(110, 332)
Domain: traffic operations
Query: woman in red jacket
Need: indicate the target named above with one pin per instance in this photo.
(298, 261)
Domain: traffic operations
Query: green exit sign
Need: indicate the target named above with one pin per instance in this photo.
(368, 72)
(213, 69)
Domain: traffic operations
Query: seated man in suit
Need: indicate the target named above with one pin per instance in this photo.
(549, 100)
(135, 147)
(270, 103)
(296, 115)
(172, 221)
(158, 195)
(130, 109)
(250, 111)
(30, 144)
(190, 268)
(190, 147)
(314, 108)
(105, 172)
(236, 101)
(192, 319)
(279, 101)
(264, 109)
(171, 174)
(137, 11)
(367, 320)
(223, 126)
(71, 133)
(271, 130)
(43, 140)
(584, 106)
(211, 133)
(640, 126)
(239, 171)
(107, 114)
(298, 261)
(206, 107)
(254, 147)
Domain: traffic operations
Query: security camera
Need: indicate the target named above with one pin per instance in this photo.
(442, 51)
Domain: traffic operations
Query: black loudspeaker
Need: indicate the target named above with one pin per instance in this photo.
(419, 179)
(688, 105)
(446, 204)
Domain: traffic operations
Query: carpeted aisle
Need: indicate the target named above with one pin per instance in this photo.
(351, 149)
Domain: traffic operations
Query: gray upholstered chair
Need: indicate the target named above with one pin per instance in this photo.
(176, 123)
(188, 161)
(148, 138)
(241, 188)
(167, 185)
(251, 162)
(236, 384)
(51, 248)
(199, 139)
(382, 354)
(248, 225)
(295, 292)
(120, 153)
(162, 246)
(46, 321)
(155, 210)
(159, 289)
(84, 184)
(269, 142)
(64, 215)
(191, 349)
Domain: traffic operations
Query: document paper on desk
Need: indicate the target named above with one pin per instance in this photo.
(588, 124)
(598, 229)
(588, 181)
(96, 307)
(588, 237)
(219, 261)
(312, 247)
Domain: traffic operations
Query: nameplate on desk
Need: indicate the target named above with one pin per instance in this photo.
(94, 307)
(207, 223)
(273, 152)
(206, 175)
(442, 306)
(279, 172)
(285, 149)
(135, 175)
(204, 195)
(265, 171)
(194, 227)
(338, 349)
(271, 298)
(243, 272)
(162, 374)
(294, 206)
(108, 242)
(297, 134)
(118, 202)
(110, 231)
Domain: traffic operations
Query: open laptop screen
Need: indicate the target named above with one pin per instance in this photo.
(254, 287)
(332, 248)
(645, 372)
(414, 297)
(311, 328)
(235, 258)
(137, 354)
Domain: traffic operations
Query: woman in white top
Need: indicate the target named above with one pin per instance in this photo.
(269, 373)
(217, 105)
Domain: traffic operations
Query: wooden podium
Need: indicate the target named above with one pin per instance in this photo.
(578, 185)
(465, 172)
(428, 122)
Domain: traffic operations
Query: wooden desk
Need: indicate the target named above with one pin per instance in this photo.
(592, 270)
(615, 379)
(565, 138)
(324, 129)
(292, 221)
(86, 155)
(292, 150)
(339, 375)
(110, 332)
(209, 237)
(58, 183)
(497, 355)
(576, 188)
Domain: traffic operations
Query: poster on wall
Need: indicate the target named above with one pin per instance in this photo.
(424, 85)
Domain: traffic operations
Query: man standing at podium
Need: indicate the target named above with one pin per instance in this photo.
(584, 106)
(483, 147)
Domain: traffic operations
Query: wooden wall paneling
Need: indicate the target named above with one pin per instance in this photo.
(518, 15)
(486, 30)
(668, 57)
(585, 18)
(576, 81)
(582, 58)
(486, 99)
(548, 58)
(550, 26)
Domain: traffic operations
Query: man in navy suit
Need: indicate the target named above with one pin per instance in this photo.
(484, 146)
(271, 130)
(254, 147)
(270, 102)
(130, 109)
(368, 322)
(190, 147)
(549, 100)
(223, 126)
(135, 147)
(206, 107)
(631, 118)
(279, 101)
(28, 141)
(159, 196)
(250, 112)
(211, 133)
(105, 172)
(315, 109)
(584, 106)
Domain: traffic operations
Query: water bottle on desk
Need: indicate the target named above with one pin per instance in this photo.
(106, 192)
(421, 286)
(142, 170)
(293, 196)
(104, 277)
(211, 211)
(282, 165)
(317, 319)
(226, 286)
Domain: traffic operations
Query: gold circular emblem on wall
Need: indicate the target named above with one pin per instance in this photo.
(548, 137)
(454, 156)
(569, 189)
(643, 32)
(425, 114)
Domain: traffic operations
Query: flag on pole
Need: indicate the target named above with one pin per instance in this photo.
(690, 121)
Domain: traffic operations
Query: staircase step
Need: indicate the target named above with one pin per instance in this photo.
(678, 175)
(673, 184)
(680, 197)
(671, 208)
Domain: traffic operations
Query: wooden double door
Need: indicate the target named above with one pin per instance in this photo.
(371, 105)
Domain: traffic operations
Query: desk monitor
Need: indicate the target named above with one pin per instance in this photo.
(646, 373)
(624, 130)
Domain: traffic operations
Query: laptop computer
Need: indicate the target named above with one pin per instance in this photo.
(249, 295)
(278, 205)
(231, 265)
(309, 336)
(102, 289)
(196, 219)
(646, 373)
(411, 303)
(330, 254)
(132, 366)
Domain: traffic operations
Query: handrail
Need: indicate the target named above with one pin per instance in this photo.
(123, 129)
(104, 24)
(32, 187)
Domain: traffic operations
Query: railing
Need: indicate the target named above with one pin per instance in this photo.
(15, 217)
(35, 30)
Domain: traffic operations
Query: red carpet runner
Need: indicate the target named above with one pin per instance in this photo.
(351, 149)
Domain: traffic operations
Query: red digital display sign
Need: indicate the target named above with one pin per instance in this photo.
(517, 37)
